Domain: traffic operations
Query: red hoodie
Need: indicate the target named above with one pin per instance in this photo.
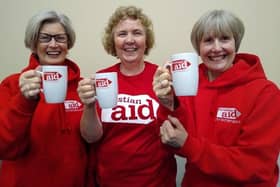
(233, 127)
(40, 143)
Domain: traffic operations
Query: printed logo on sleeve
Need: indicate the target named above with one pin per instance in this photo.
(228, 114)
(103, 83)
(52, 76)
(180, 65)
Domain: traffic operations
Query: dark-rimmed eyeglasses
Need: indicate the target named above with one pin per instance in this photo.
(46, 38)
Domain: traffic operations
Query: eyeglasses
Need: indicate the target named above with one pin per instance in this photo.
(46, 38)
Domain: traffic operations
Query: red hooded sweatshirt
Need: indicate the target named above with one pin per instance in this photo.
(233, 127)
(40, 143)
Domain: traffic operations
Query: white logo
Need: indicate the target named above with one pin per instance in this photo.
(72, 105)
(132, 109)
(229, 114)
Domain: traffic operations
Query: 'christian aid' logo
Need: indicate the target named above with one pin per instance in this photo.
(103, 83)
(52, 76)
(72, 105)
(131, 109)
(179, 65)
(228, 113)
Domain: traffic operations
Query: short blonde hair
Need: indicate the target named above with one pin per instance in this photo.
(37, 21)
(219, 22)
(122, 13)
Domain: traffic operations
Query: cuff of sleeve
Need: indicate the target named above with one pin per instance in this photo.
(162, 113)
(191, 149)
(24, 105)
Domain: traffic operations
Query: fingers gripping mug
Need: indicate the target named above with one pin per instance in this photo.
(54, 83)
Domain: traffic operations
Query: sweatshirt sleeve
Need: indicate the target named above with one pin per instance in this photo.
(254, 155)
(15, 118)
(163, 112)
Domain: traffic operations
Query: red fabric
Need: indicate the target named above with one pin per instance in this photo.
(233, 125)
(130, 152)
(40, 143)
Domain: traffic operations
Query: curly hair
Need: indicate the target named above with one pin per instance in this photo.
(122, 13)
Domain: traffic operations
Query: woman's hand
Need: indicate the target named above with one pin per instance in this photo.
(86, 91)
(162, 86)
(173, 133)
(30, 84)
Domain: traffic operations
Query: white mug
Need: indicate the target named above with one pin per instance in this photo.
(106, 85)
(54, 81)
(184, 69)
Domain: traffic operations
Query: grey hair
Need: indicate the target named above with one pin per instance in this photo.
(217, 22)
(37, 21)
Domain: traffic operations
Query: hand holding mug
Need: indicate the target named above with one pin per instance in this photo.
(86, 91)
(162, 86)
(103, 87)
(162, 82)
(30, 84)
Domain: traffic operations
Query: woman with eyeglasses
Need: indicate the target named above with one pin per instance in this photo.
(40, 143)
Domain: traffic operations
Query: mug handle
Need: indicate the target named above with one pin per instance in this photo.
(167, 65)
(42, 74)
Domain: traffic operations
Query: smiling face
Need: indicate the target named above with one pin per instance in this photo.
(52, 52)
(130, 41)
(217, 53)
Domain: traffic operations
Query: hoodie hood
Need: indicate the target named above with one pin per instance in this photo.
(246, 67)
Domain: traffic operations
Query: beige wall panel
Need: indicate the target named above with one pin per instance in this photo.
(172, 20)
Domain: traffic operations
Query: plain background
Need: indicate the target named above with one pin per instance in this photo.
(173, 21)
